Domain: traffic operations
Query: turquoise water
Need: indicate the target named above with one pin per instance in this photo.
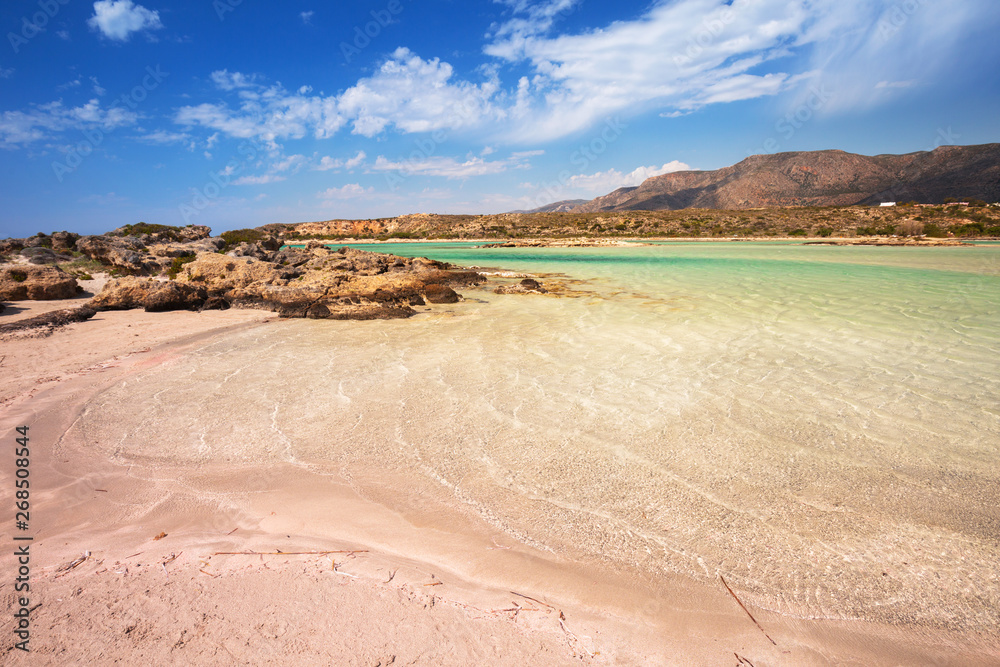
(821, 425)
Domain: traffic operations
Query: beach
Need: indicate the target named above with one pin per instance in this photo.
(680, 456)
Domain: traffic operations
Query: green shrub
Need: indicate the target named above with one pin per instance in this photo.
(177, 265)
(166, 231)
(18, 276)
(824, 232)
(238, 236)
(797, 232)
(934, 231)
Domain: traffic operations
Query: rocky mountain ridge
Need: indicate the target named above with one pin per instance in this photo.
(818, 178)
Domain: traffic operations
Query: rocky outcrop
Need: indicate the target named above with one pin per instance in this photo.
(63, 241)
(125, 253)
(149, 294)
(526, 286)
(41, 255)
(20, 282)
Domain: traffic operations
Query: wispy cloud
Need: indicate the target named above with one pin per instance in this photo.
(118, 19)
(605, 181)
(327, 163)
(47, 120)
(306, 17)
(349, 191)
(258, 180)
(448, 167)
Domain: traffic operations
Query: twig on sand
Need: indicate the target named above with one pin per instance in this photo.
(287, 553)
(740, 661)
(66, 567)
(333, 566)
(233, 530)
(746, 610)
(392, 575)
(528, 597)
(436, 583)
(209, 574)
(570, 635)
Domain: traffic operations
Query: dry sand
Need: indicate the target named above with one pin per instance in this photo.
(430, 588)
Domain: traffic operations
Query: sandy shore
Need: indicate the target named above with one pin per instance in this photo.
(332, 577)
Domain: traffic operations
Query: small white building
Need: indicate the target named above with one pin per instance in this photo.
(888, 203)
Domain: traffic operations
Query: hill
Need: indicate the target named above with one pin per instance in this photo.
(818, 178)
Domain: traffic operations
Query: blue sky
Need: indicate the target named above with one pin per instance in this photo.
(237, 113)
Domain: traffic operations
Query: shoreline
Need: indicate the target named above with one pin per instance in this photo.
(114, 509)
(599, 241)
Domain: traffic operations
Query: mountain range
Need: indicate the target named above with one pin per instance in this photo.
(814, 178)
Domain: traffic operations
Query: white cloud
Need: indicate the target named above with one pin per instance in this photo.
(406, 93)
(436, 165)
(327, 163)
(349, 191)
(99, 90)
(165, 137)
(675, 58)
(291, 163)
(46, 120)
(604, 182)
(5, 73)
(118, 19)
(226, 81)
(258, 180)
(306, 17)
(894, 84)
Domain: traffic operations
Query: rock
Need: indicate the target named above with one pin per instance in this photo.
(526, 286)
(62, 241)
(11, 246)
(37, 283)
(222, 273)
(124, 253)
(215, 303)
(255, 250)
(437, 293)
(149, 294)
(40, 255)
(50, 321)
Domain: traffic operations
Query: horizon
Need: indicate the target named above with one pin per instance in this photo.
(232, 116)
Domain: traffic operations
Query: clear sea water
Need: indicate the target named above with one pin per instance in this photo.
(819, 424)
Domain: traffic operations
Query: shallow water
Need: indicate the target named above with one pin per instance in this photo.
(819, 424)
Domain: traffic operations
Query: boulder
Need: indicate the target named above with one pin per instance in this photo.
(20, 282)
(62, 241)
(40, 255)
(149, 294)
(255, 250)
(125, 253)
(11, 246)
(437, 293)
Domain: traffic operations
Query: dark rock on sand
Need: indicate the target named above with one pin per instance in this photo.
(49, 321)
(436, 293)
(20, 282)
